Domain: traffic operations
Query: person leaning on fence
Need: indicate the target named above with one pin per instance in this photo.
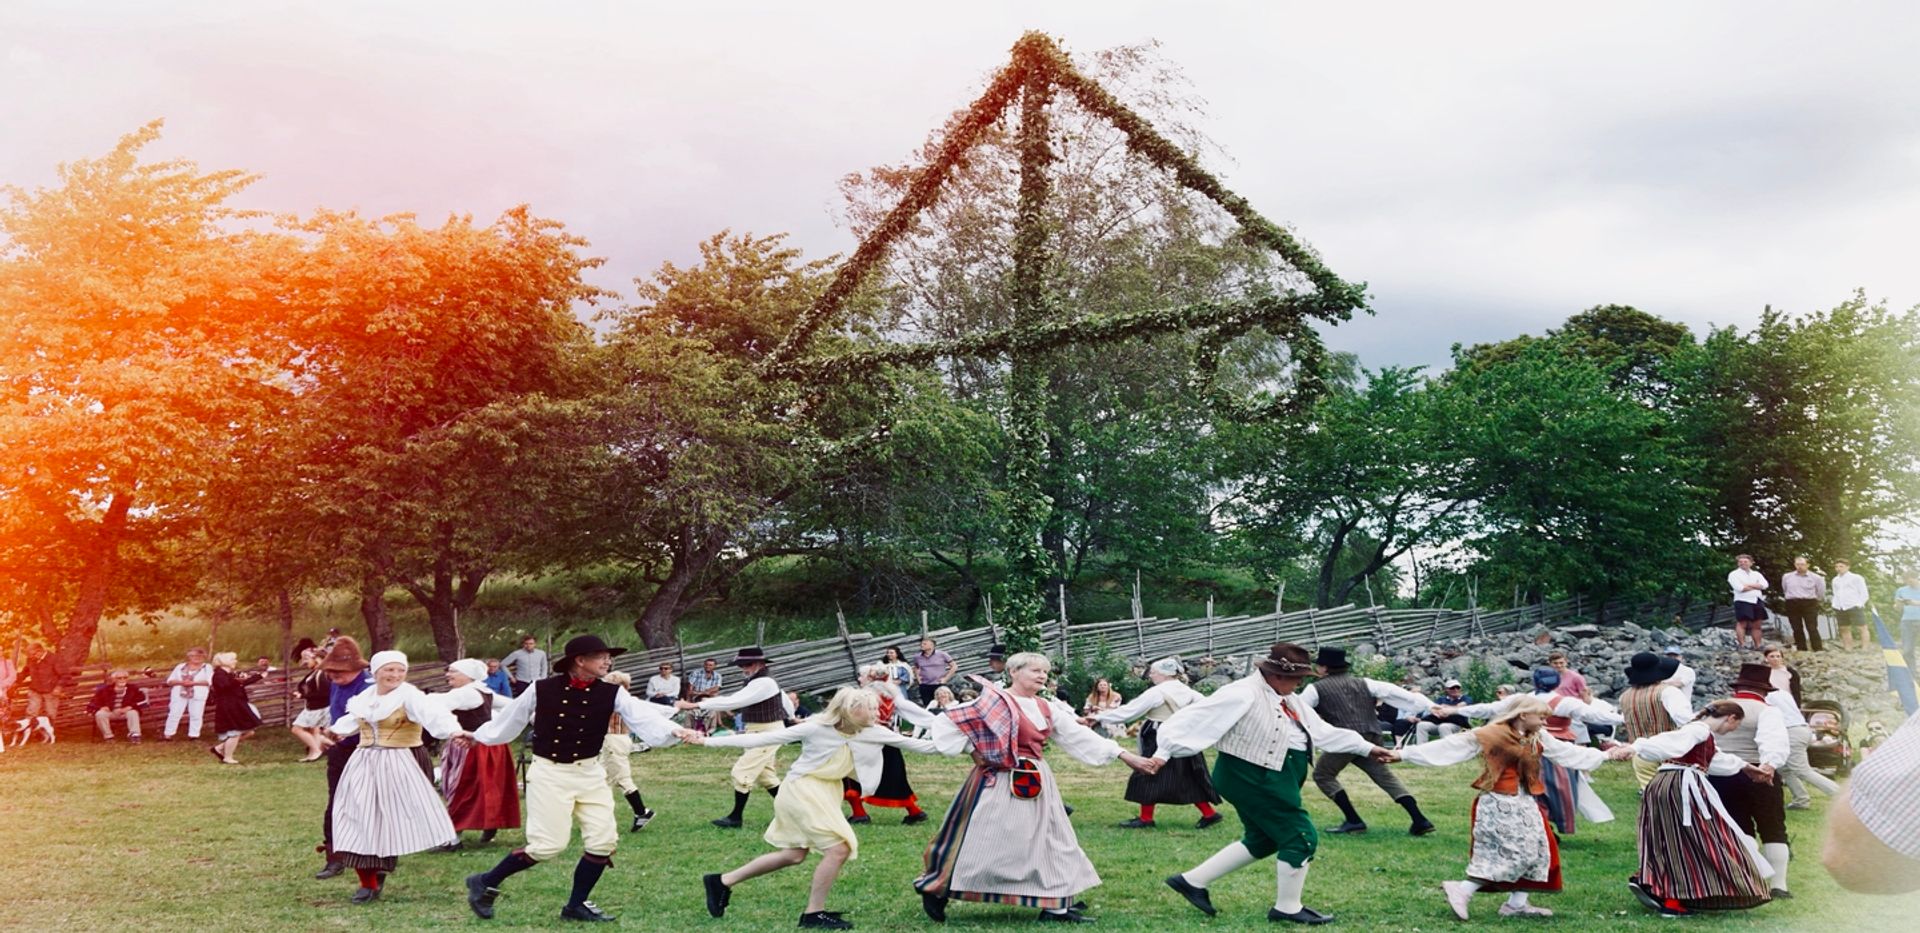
(1181, 781)
(1265, 738)
(764, 707)
(931, 668)
(117, 699)
(1347, 702)
(525, 664)
(567, 782)
(616, 756)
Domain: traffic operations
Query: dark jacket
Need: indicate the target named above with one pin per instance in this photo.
(103, 698)
(231, 711)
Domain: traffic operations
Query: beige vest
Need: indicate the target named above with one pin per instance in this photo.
(1741, 740)
(1264, 734)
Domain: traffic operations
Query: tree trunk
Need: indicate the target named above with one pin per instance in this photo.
(444, 603)
(373, 610)
(71, 651)
(661, 615)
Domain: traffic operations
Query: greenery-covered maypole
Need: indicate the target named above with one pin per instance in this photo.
(1037, 72)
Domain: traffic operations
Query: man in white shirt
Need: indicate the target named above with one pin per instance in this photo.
(1265, 737)
(1752, 797)
(1749, 612)
(764, 707)
(1849, 591)
(1683, 676)
(664, 687)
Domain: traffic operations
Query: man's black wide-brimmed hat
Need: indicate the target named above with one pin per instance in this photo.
(582, 645)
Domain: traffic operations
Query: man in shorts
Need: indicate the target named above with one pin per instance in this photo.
(1749, 610)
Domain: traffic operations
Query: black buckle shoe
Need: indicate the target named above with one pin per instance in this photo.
(480, 897)
(822, 920)
(935, 905)
(366, 895)
(1350, 826)
(861, 819)
(333, 870)
(585, 911)
(1780, 894)
(1135, 823)
(913, 818)
(1422, 828)
(1065, 916)
(1207, 821)
(718, 894)
(727, 822)
(1197, 896)
(1305, 915)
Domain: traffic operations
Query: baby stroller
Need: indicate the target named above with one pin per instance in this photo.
(1831, 749)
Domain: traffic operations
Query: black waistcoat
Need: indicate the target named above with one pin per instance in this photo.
(771, 709)
(570, 724)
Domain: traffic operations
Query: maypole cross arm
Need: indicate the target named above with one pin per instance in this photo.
(1037, 73)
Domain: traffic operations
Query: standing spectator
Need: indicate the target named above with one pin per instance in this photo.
(1850, 606)
(899, 672)
(316, 694)
(931, 667)
(233, 717)
(1908, 599)
(1433, 722)
(1804, 590)
(187, 689)
(117, 698)
(1572, 682)
(664, 687)
(497, 680)
(43, 690)
(1749, 613)
(1797, 773)
(997, 665)
(526, 664)
(1873, 831)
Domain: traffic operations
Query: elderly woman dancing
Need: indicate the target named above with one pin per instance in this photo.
(1006, 837)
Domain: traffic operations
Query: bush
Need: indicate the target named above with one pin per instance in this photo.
(1075, 678)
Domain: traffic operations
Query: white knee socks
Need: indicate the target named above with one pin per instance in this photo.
(1292, 881)
(1517, 899)
(1232, 858)
(1777, 854)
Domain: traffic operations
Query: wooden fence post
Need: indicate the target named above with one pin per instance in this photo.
(1065, 643)
(846, 641)
(1209, 626)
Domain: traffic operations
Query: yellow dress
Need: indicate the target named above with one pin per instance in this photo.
(807, 814)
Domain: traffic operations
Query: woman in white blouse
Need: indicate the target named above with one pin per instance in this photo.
(806, 813)
(1692, 855)
(1181, 781)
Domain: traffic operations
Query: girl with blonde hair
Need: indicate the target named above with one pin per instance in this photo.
(1514, 847)
(806, 811)
(233, 717)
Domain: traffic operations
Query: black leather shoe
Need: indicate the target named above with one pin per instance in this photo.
(1136, 823)
(718, 894)
(913, 818)
(1422, 828)
(727, 822)
(333, 870)
(935, 905)
(1066, 916)
(480, 897)
(861, 819)
(1304, 915)
(1781, 894)
(1349, 827)
(1207, 821)
(366, 895)
(822, 920)
(585, 911)
(1196, 896)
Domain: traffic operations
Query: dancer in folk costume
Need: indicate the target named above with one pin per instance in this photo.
(764, 707)
(1180, 781)
(1569, 794)
(385, 807)
(616, 756)
(806, 814)
(1514, 846)
(567, 781)
(1265, 737)
(346, 672)
(892, 790)
(479, 781)
(1753, 796)
(1692, 856)
(1348, 702)
(1651, 705)
(1006, 837)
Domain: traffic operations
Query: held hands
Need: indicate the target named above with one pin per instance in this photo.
(1385, 756)
(690, 737)
(1620, 752)
(1147, 766)
(685, 704)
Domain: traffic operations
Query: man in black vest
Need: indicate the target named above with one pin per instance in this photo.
(764, 707)
(566, 781)
(1348, 702)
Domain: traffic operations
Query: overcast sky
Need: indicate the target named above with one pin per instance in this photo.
(1488, 169)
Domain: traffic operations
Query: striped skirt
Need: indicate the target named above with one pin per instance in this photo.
(1563, 796)
(385, 808)
(1690, 850)
(996, 847)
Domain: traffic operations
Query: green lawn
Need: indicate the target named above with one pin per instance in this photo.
(160, 836)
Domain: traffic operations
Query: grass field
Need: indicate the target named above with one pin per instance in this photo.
(101, 837)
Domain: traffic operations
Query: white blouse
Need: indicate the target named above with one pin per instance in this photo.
(371, 706)
(1068, 734)
(1402, 699)
(1681, 741)
(649, 722)
(1171, 692)
(818, 743)
(1203, 724)
(1465, 746)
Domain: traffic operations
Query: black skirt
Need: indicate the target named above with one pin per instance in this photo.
(1181, 780)
(893, 777)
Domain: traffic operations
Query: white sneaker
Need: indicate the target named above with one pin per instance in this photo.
(1457, 897)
